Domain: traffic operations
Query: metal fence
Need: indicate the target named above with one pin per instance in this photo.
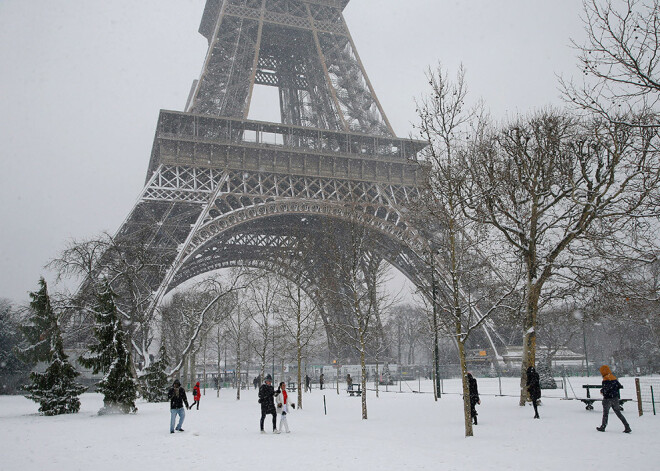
(648, 395)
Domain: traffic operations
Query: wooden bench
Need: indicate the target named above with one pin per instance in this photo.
(291, 386)
(589, 401)
(355, 390)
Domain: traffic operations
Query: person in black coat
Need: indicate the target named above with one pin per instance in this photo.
(611, 397)
(474, 397)
(177, 397)
(267, 401)
(534, 389)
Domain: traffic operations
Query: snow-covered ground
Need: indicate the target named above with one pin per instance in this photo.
(404, 431)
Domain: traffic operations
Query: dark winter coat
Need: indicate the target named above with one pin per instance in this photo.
(611, 385)
(197, 394)
(267, 399)
(177, 399)
(533, 384)
(474, 390)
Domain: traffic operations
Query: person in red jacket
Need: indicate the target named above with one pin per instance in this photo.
(197, 395)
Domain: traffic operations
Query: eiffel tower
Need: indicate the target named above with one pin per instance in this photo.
(223, 191)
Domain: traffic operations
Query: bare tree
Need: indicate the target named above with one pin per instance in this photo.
(359, 276)
(471, 290)
(406, 329)
(130, 268)
(301, 322)
(188, 318)
(262, 301)
(238, 328)
(543, 182)
(620, 61)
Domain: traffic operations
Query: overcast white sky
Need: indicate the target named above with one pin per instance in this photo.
(82, 82)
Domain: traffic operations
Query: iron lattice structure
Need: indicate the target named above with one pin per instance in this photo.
(222, 190)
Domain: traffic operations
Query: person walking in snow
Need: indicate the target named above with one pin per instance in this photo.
(349, 382)
(321, 380)
(283, 407)
(534, 389)
(267, 401)
(308, 384)
(611, 396)
(474, 397)
(197, 395)
(177, 397)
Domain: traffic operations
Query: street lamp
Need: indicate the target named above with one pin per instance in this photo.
(580, 316)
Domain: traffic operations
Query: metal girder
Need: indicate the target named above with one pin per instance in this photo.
(223, 191)
(301, 47)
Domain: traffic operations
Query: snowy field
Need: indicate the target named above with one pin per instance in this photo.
(405, 431)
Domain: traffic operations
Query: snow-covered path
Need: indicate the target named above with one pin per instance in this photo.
(404, 431)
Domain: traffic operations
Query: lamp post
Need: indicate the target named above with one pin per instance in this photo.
(436, 353)
(580, 316)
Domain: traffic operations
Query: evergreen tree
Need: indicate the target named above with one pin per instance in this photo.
(543, 368)
(112, 357)
(55, 389)
(13, 371)
(155, 382)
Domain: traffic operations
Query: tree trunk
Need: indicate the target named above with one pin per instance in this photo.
(184, 377)
(377, 380)
(436, 353)
(363, 380)
(219, 359)
(529, 338)
(238, 370)
(466, 391)
(193, 369)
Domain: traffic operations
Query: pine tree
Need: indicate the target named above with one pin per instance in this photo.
(55, 389)
(14, 372)
(546, 380)
(155, 382)
(112, 357)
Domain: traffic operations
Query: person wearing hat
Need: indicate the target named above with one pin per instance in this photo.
(177, 397)
(267, 401)
(611, 397)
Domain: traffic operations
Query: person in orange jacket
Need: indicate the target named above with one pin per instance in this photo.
(611, 396)
(197, 395)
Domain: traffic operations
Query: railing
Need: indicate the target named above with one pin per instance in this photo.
(172, 124)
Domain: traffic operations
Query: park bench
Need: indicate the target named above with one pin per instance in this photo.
(355, 390)
(589, 401)
(291, 386)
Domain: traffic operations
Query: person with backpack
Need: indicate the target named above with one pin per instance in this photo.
(611, 396)
(177, 397)
(197, 395)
